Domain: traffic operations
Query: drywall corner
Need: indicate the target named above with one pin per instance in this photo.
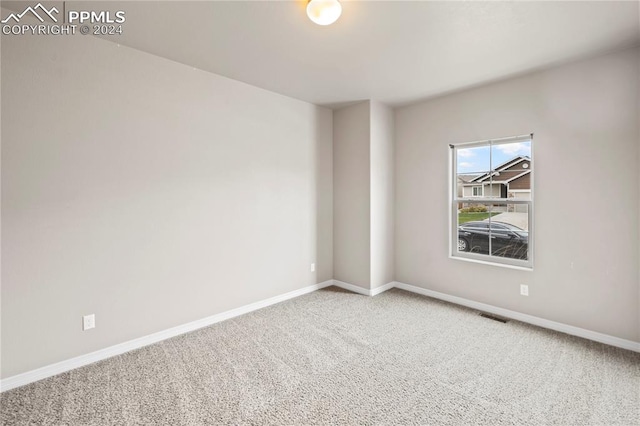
(382, 194)
(351, 190)
(324, 195)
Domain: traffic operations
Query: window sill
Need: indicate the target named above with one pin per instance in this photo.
(500, 265)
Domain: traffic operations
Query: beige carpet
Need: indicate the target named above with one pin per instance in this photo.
(332, 357)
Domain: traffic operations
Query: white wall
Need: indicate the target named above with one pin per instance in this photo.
(324, 194)
(363, 190)
(149, 193)
(586, 147)
(352, 195)
(382, 198)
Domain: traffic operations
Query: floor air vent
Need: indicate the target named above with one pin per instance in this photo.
(493, 317)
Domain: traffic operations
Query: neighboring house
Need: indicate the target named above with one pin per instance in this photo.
(462, 180)
(511, 179)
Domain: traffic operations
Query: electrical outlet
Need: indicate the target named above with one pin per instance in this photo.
(313, 267)
(88, 322)
(524, 289)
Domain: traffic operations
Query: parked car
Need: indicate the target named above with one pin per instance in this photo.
(506, 240)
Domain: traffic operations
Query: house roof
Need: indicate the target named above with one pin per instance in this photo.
(502, 167)
(467, 178)
(518, 176)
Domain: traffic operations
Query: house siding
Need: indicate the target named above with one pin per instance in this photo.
(523, 182)
(515, 170)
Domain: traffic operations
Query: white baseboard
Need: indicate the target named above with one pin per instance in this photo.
(361, 290)
(82, 360)
(382, 288)
(530, 319)
(351, 287)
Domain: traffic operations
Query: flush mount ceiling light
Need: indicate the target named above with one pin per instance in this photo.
(324, 12)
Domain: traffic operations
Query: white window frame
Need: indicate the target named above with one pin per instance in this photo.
(473, 190)
(455, 201)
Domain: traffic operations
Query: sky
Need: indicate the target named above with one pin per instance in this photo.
(477, 160)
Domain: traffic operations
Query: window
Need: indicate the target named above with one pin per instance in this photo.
(492, 201)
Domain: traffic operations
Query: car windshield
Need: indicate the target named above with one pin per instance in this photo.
(521, 232)
(496, 226)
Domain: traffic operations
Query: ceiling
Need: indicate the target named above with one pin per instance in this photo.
(396, 52)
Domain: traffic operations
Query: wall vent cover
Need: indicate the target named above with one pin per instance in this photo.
(493, 317)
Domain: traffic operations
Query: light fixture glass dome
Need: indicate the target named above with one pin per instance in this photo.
(324, 12)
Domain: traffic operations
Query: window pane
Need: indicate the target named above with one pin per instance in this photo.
(509, 231)
(495, 230)
(510, 170)
(473, 228)
(472, 164)
(473, 161)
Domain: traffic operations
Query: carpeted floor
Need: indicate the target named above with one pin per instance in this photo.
(333, 357)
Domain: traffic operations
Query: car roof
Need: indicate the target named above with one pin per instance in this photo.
(483, 222)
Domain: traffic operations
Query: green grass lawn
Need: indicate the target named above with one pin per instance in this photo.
(468, 217)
